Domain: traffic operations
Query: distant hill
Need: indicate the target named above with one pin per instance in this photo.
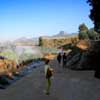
(58, 40)
(65, 34)
(60, 34)
(24, 41)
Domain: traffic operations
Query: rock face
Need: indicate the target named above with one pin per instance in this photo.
(75, 58)
(57, 41)
(95, 58)
(80, 59)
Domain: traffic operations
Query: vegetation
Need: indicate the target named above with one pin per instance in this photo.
(85, 33)
(40, 41)
(83, 27)
(95, 17)
(95, 13)
(9, 54)
(49, 50)
(54, 42)
(92, 34)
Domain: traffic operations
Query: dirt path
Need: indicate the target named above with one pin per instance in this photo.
(66, 85)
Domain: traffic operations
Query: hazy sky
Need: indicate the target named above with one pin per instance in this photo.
(31, 18)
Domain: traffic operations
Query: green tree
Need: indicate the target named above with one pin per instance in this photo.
(95, 13)
(83, 29)
(92, 34)
(40, 41)
(83, 35)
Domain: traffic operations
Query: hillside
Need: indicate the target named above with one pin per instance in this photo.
(56, 41)
(24, 42)
(84, 56)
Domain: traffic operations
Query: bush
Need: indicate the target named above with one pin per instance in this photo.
(40, 41)
(92, 34)
(10, 55)
(83, 35)
(49, 50)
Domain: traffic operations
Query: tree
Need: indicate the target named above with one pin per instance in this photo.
(83, 29)
(92, 34)
(95, 17)
(40, 41)
(83, 35)
(95, 13)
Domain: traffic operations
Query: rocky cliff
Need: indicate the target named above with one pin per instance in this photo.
(57, 41)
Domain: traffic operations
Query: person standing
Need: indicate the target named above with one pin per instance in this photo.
(59, 56)
(48, 74)
(64, 59)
